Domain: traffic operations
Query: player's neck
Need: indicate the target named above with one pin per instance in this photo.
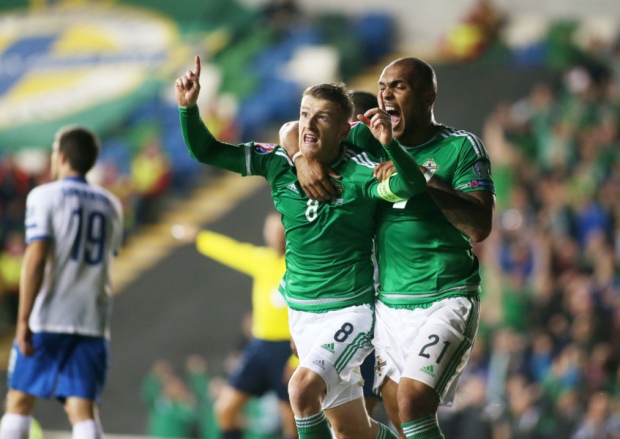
(336, 155)
(420, 135)
(68, 173)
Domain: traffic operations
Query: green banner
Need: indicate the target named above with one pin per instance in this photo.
(90, 65)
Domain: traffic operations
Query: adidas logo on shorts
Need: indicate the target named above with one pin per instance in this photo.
(319, 363)
(429, 370)
(292, 187)
(329, 347)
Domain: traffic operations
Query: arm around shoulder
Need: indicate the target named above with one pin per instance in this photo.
(469, 212)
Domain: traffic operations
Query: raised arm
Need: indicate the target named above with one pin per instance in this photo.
(237, 255)
(314, 177)
(199, 141)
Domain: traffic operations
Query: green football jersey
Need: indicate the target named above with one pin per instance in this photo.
(328, 244)
(422, 257)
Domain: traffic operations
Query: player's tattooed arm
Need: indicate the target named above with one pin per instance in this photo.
(471, 212)
(314, 177)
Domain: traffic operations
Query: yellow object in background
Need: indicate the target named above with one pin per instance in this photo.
(36, 432)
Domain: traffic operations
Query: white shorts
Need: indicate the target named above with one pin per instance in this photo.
(429, 345)
(334, 344)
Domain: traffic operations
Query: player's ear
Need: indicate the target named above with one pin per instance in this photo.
(429, 98)
(346, 127)
(62, 157)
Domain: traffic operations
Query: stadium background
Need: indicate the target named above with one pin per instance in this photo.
(110, 65)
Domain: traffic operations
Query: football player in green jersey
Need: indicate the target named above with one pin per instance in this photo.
(428, 305)
(328, 284)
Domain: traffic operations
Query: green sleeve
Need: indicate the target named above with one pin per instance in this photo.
(205, 148)
(408, 179)
(361, 136)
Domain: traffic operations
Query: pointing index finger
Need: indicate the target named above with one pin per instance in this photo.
(197, 66)
(380, 100)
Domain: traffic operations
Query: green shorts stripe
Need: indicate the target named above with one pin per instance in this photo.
(359, 342)
(464, 346)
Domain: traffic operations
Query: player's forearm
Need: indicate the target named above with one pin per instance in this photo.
(33, 271)
(204, 147)
(197, 136)
(470, 214)
(409, 180)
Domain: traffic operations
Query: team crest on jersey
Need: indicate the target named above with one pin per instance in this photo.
(337, 199)
(264, 148)
(431, 165)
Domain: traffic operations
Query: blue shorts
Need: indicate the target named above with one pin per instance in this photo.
(63, 365)
(262, 368)
(367, 369)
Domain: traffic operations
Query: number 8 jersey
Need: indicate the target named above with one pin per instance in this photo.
(84, 224)
(328, 244)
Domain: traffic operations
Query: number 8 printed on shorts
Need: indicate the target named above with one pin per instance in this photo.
(343, 333)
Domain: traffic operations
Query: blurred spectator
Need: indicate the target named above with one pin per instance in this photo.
(553, 257)
(153, 382)
(110, 177)
(150, 175)
(479, 30)
(470, 419)
(11, 259)
(281, 15)
(181, 407)
(174, 412)
(196, 369)
(601, 419)
(14, 187)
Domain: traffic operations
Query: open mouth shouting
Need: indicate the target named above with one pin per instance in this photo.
(310, 144)
(394, 114)
(310, 139)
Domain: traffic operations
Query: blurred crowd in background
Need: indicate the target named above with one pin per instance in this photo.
(546, 363)
(181, 403)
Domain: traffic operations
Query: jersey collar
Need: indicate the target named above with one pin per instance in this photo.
(440, 128)
(343, 149)
(76, 179)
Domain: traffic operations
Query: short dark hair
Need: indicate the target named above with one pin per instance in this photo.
(362, 102)
(80, 146)
(336, 93)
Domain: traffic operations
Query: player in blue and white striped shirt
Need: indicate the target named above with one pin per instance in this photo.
(73, 230)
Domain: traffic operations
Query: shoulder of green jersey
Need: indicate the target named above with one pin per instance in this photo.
(359, 157)
(263, 149)
(283, 153)
(472, 139)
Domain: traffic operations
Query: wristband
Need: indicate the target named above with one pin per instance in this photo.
(428, 175)
(297, 154)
